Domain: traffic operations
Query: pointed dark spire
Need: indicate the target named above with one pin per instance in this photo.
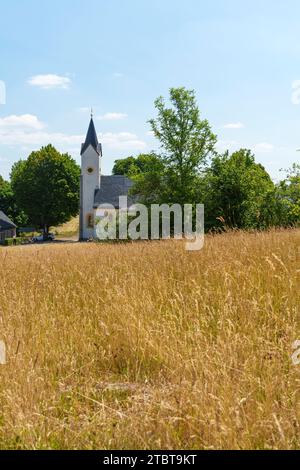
(91, 138)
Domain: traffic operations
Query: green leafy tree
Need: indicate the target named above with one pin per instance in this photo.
(237, 192)
(132, 166)
(186, 144)
(46, 187)
(8, 204)
(6, 197)
(124, 166)
(149, 179)
(146, 170)
(288, 192)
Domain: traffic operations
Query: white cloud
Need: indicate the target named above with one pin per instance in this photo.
(233, 145)
(21, 137)
(112, 117)
(23, 121)
(118, 75)
(50, 81)
(263, 147)
(234, 125)
(296, 93)
(27, 131)
(122, 141)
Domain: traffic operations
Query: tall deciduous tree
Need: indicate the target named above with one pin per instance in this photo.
(186, 143)
(46, 187)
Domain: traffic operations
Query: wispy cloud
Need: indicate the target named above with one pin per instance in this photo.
(27, 121)
(118, 75)
(27, 131)
(50, 81)
(296, 92)
(112, 117)
(122, 141)
(17, 137)
(234, 125)
(233, 145)
(263, 147)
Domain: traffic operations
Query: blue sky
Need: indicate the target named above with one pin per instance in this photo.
(58, 58)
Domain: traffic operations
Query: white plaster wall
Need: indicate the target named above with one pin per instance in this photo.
(89, 183)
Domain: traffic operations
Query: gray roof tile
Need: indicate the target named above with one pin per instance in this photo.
(111, 188)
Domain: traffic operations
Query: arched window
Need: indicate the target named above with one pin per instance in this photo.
(90, 221)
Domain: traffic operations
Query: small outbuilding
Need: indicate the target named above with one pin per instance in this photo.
(7, 228)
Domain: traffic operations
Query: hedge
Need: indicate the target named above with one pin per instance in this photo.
(13, 241)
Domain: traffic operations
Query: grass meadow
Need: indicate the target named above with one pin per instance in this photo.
(147, 346)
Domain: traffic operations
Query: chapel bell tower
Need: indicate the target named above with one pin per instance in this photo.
(91, 153)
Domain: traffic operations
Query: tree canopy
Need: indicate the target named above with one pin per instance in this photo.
(46, 187)
(234, 190)
(289, 196)
(132, 166)
(186, 141)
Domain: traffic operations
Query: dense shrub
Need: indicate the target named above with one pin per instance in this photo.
(14, 241)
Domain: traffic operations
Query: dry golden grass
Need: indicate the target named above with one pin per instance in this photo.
(69, 229)
(148, 346)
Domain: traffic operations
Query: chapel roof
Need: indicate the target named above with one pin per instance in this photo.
(112, 187)
(91, 138)
(5, 222)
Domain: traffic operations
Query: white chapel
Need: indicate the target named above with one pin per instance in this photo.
(96, 189)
